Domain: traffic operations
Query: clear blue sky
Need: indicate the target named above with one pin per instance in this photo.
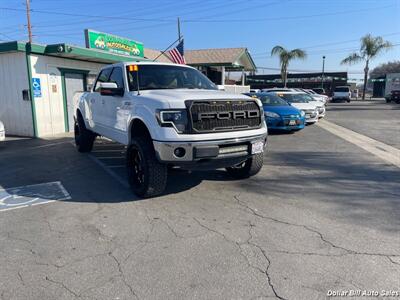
(321, 27)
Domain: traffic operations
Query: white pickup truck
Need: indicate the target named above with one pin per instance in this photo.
(170, 115)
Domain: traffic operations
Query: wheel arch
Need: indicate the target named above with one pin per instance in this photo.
(138, 128)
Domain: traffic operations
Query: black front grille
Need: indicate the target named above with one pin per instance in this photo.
(223, 115)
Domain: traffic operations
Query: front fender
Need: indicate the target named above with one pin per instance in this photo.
(148, 118)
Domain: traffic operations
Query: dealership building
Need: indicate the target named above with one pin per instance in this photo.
(38, 82)
(327, 80)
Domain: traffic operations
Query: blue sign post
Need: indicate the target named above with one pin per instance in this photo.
(37, 88)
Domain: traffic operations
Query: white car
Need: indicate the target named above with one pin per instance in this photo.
(2, 132)
(303, 102)
(317, 97)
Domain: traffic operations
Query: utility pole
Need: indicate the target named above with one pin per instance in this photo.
(179, 30)
(323, 71)
(28, 16)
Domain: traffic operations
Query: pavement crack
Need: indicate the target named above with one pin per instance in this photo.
(392, 261)
(10, 237)
(266, 272)
(213, 230)
(267, 269)
(21, 278)
(316, 232)
(122, 274)
(60, 283)
(170, 228)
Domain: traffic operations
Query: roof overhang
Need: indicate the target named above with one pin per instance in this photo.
(243, 61)
(67, 51)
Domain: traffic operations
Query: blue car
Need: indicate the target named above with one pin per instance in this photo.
(279, 114)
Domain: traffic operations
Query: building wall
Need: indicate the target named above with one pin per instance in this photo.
(49, 107)
(15, 113)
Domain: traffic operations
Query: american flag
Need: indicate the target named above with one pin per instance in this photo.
(177, 54)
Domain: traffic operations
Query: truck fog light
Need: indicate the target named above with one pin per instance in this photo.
(179, 152)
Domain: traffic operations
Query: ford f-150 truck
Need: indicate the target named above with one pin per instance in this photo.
(170, 115)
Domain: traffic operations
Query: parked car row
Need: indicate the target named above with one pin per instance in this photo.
(290, 109)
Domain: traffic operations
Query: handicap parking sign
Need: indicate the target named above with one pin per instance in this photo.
(37, 88)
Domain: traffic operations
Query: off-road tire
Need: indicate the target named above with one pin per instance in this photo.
(84, 138)
(248, 168)
(153, 178)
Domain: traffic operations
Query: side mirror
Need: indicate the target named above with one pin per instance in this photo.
(221, 87)
(110, 89)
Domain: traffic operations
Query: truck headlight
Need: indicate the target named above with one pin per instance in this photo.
(302, 113)
(174, 118)
(269, 114)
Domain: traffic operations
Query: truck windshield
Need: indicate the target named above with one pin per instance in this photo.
(157, 77)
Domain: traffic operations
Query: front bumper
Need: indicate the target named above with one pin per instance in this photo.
(312, 118)
(283, 123)
(213, 150)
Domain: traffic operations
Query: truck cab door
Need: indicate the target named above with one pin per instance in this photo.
(97, 104)
(117, 106)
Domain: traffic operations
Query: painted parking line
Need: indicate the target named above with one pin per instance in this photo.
(379, 149)
(105, 167)
(32, 195)
(110, 156)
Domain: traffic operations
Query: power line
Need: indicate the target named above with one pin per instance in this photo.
(199, 19)
(286, 18)
(155, 25)
(86, 16)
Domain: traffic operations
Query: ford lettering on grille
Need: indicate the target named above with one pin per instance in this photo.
(223, 115)
(229, 115)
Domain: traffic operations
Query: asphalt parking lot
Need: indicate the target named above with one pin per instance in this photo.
(323, 214)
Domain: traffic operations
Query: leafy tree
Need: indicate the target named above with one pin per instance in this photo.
(382, 69)
(285, 56)
(370, 48)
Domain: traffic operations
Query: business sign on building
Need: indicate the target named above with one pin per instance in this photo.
(112, 43)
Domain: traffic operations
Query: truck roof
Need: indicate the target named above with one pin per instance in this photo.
(139, 63)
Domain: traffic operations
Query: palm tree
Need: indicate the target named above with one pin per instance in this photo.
(285, 56)
(369, 49)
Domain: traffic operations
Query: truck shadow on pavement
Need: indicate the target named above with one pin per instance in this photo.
(356, 190)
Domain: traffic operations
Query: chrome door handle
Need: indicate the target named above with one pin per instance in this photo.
(92, 100)
(102, 101)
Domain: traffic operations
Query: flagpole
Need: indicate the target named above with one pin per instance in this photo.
(179, 29)
(166, 49)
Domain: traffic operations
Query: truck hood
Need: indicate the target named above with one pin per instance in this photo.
(176, 98)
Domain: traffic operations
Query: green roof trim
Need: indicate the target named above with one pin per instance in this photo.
(67, 51)
(12, 46)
